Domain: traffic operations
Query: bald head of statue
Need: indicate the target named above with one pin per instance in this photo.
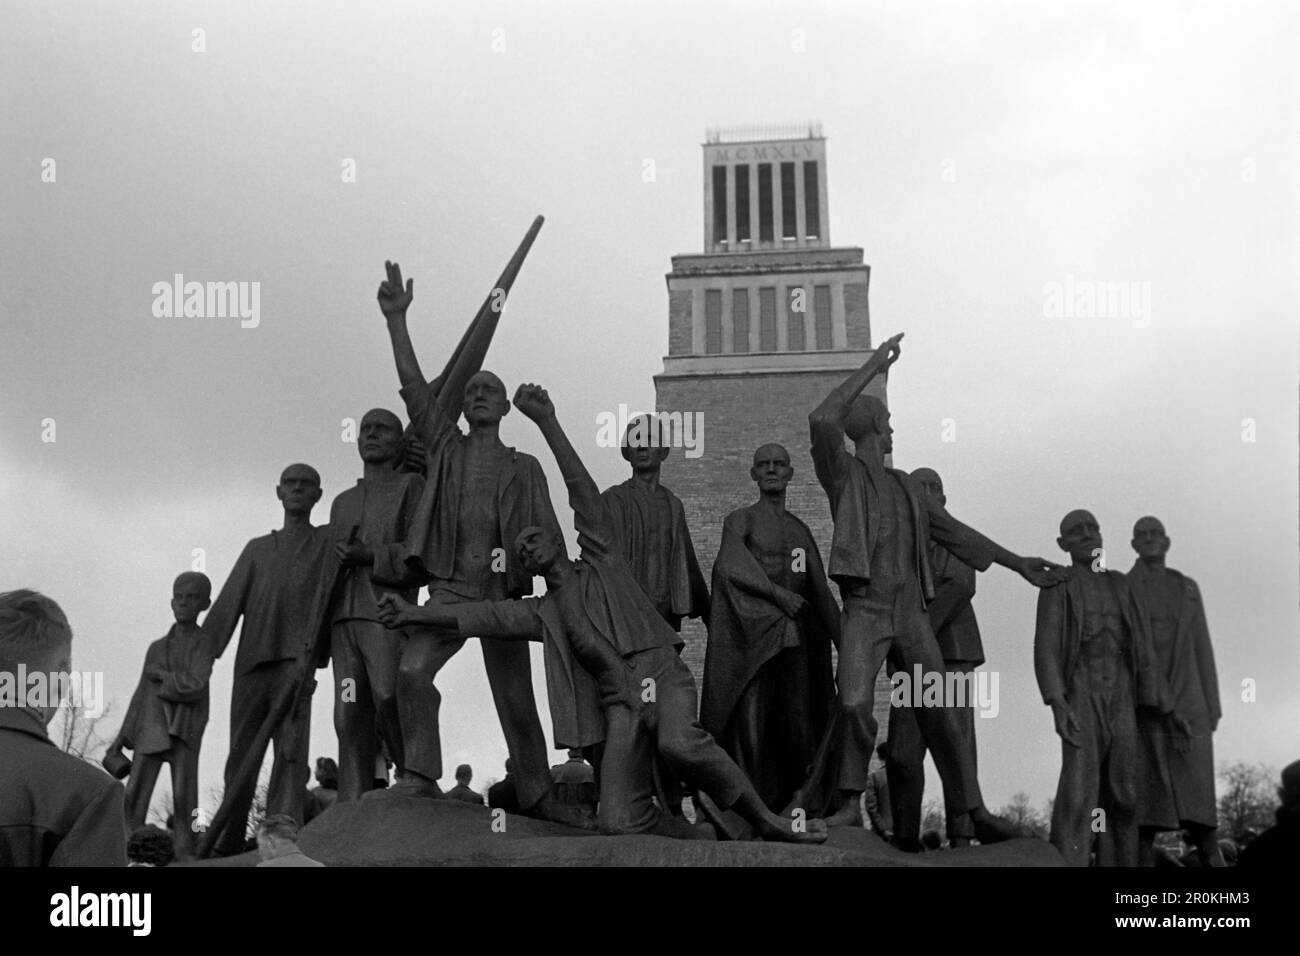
(379, 439)
(1149, 540)
(486, 401)
(1080, 536)
(869, 418)
(931, 484)
(299, 489)
(191, 596)
(771, 469)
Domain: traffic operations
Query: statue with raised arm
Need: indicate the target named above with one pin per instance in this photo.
(1176, 754)
(883, 526)
(168, 714)
(479, 494)
(370, 522)
(1092, 660)
(651, 526)
(607, 650)
(768, 687)
(281, 586)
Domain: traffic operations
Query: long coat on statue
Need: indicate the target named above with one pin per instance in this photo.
(1176, 775)
(748, 630)
(688, 595)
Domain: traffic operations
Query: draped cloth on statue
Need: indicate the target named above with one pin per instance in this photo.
(522, 497)
(768, 686)
(674, 570)
(176, 706)
(1176, 780)
(748, 628)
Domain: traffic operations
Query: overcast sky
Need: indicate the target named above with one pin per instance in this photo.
(977, 152)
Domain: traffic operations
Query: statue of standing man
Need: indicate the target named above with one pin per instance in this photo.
(1092, 661)
(479, 495)
(953, 621)
(1176, 751)
(651, 526)
(884, 524)
(768, 687)
(281, 587)
(370, 522)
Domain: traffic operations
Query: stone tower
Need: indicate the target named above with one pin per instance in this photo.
(761, 325)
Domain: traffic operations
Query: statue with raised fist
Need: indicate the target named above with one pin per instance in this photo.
(609, 655)
(478, 495)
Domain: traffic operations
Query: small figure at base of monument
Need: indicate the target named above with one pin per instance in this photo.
(1176, 757)
(768, 686)
(370, 523)
(168, 714)
(884, 524)
(1092, 660)
(281, 586)
(953, 621)
(651, 526)
(607, 650)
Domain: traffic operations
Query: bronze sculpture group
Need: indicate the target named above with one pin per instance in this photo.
(777, 739)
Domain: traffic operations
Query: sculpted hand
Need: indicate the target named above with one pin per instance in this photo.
(353, 552)
(533, 401)
(393, 298)
(891, 349)
(395, 611)
(792, 604)
(1040, 572)
(1067, 725)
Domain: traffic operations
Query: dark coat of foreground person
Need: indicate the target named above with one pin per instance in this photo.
(55, 810)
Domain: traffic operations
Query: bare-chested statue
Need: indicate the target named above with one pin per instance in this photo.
(1091, 657)
(280, 586)
(1176, 754)
(370, 523)
(768, 687)
(884, 524)
(605, 642)
(651, 526)
(479, 494)
(169, 712)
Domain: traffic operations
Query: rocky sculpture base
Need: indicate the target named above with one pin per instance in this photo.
(408, 831)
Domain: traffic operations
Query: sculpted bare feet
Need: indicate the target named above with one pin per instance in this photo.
(549, 808)
(848, 815)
